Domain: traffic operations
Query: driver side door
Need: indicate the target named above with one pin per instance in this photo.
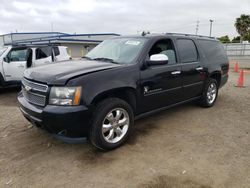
(161, 85)
(14, 68)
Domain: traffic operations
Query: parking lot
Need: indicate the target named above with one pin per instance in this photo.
(186, 146)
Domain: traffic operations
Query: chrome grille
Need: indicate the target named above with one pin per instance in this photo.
(34, 93)
(35, 86)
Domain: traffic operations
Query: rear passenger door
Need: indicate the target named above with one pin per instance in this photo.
(192, 69)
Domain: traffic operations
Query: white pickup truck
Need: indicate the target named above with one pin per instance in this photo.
(15, 59)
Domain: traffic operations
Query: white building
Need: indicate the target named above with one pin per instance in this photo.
(78, 44)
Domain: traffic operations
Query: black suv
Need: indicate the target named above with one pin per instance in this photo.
(123, 79)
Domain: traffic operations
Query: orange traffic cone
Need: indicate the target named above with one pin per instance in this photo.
(241, 79)
(236, 67)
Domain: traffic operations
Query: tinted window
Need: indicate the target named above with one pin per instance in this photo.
(187, 50)
(43, 52)
(164, 47)
(56, 51)
(18, 55)
(213, 50)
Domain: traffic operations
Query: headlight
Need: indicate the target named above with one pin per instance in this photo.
(65, 96)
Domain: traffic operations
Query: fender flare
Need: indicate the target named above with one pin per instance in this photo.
(129, 95)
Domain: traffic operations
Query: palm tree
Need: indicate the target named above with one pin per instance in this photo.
(242, 25)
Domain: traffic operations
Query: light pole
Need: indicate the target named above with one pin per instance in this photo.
(211, 25)
(197, 28)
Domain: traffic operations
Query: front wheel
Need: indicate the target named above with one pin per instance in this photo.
(210, 93)
(111, 124)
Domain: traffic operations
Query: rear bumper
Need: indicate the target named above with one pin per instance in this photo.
(66, 121)
(224, 79)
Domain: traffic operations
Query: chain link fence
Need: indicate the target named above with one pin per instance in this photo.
(237, 50)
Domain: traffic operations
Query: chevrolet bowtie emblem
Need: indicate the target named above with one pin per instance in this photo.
(27, 88)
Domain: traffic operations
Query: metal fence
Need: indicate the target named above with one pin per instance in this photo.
(237, 49)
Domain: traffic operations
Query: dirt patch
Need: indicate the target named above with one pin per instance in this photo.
(9, 96)
(141, 129)
(210, 145)
(94, 156)
(172, 182)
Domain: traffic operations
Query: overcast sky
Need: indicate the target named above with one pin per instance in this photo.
(123, 17)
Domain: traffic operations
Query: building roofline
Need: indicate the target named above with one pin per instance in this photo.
(53, 41)
(63, 34)
(26, 33)
(94, 34)
(58, 36)
(79, 40)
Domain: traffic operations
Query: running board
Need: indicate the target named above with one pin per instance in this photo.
(68, 140)
(164, 108)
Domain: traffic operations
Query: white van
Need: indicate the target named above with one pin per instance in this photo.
(15, 59)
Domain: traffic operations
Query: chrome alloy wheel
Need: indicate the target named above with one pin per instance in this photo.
(211, 93)
(115, 125)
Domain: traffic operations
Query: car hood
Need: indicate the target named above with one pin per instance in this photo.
(60, 73)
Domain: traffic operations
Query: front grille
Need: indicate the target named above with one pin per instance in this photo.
(35, 86)
(34, 93)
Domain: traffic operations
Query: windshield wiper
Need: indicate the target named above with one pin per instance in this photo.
(87, 58)
(105, 59)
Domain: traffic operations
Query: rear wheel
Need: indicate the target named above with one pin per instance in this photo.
(111, 124)
(210, 93)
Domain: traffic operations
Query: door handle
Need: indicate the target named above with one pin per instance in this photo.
(199, 68)
(176, 72)
(21, 66)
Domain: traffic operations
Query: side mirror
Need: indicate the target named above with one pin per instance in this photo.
(158, 59)
(6, 59)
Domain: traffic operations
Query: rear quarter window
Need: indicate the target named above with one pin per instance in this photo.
(213, 50)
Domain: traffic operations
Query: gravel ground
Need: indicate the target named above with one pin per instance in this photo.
(186, 146)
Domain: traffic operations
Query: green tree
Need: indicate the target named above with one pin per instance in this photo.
(224, 39)
(236, 39)
(247, 36)
(242, 25)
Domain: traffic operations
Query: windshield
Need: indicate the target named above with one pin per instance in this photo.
(119, 50)
(2, 50)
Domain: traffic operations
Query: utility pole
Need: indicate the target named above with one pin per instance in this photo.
(197, 27)
(211, 26)
(52, 27)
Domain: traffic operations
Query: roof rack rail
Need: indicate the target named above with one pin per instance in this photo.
(192, 35)
(33, 45)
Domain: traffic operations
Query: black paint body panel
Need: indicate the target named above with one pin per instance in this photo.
(154, 87)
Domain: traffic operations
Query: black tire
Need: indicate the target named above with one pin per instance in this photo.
(204, 100)
(96, 135)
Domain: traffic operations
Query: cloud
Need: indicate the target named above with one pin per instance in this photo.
(124, 17)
